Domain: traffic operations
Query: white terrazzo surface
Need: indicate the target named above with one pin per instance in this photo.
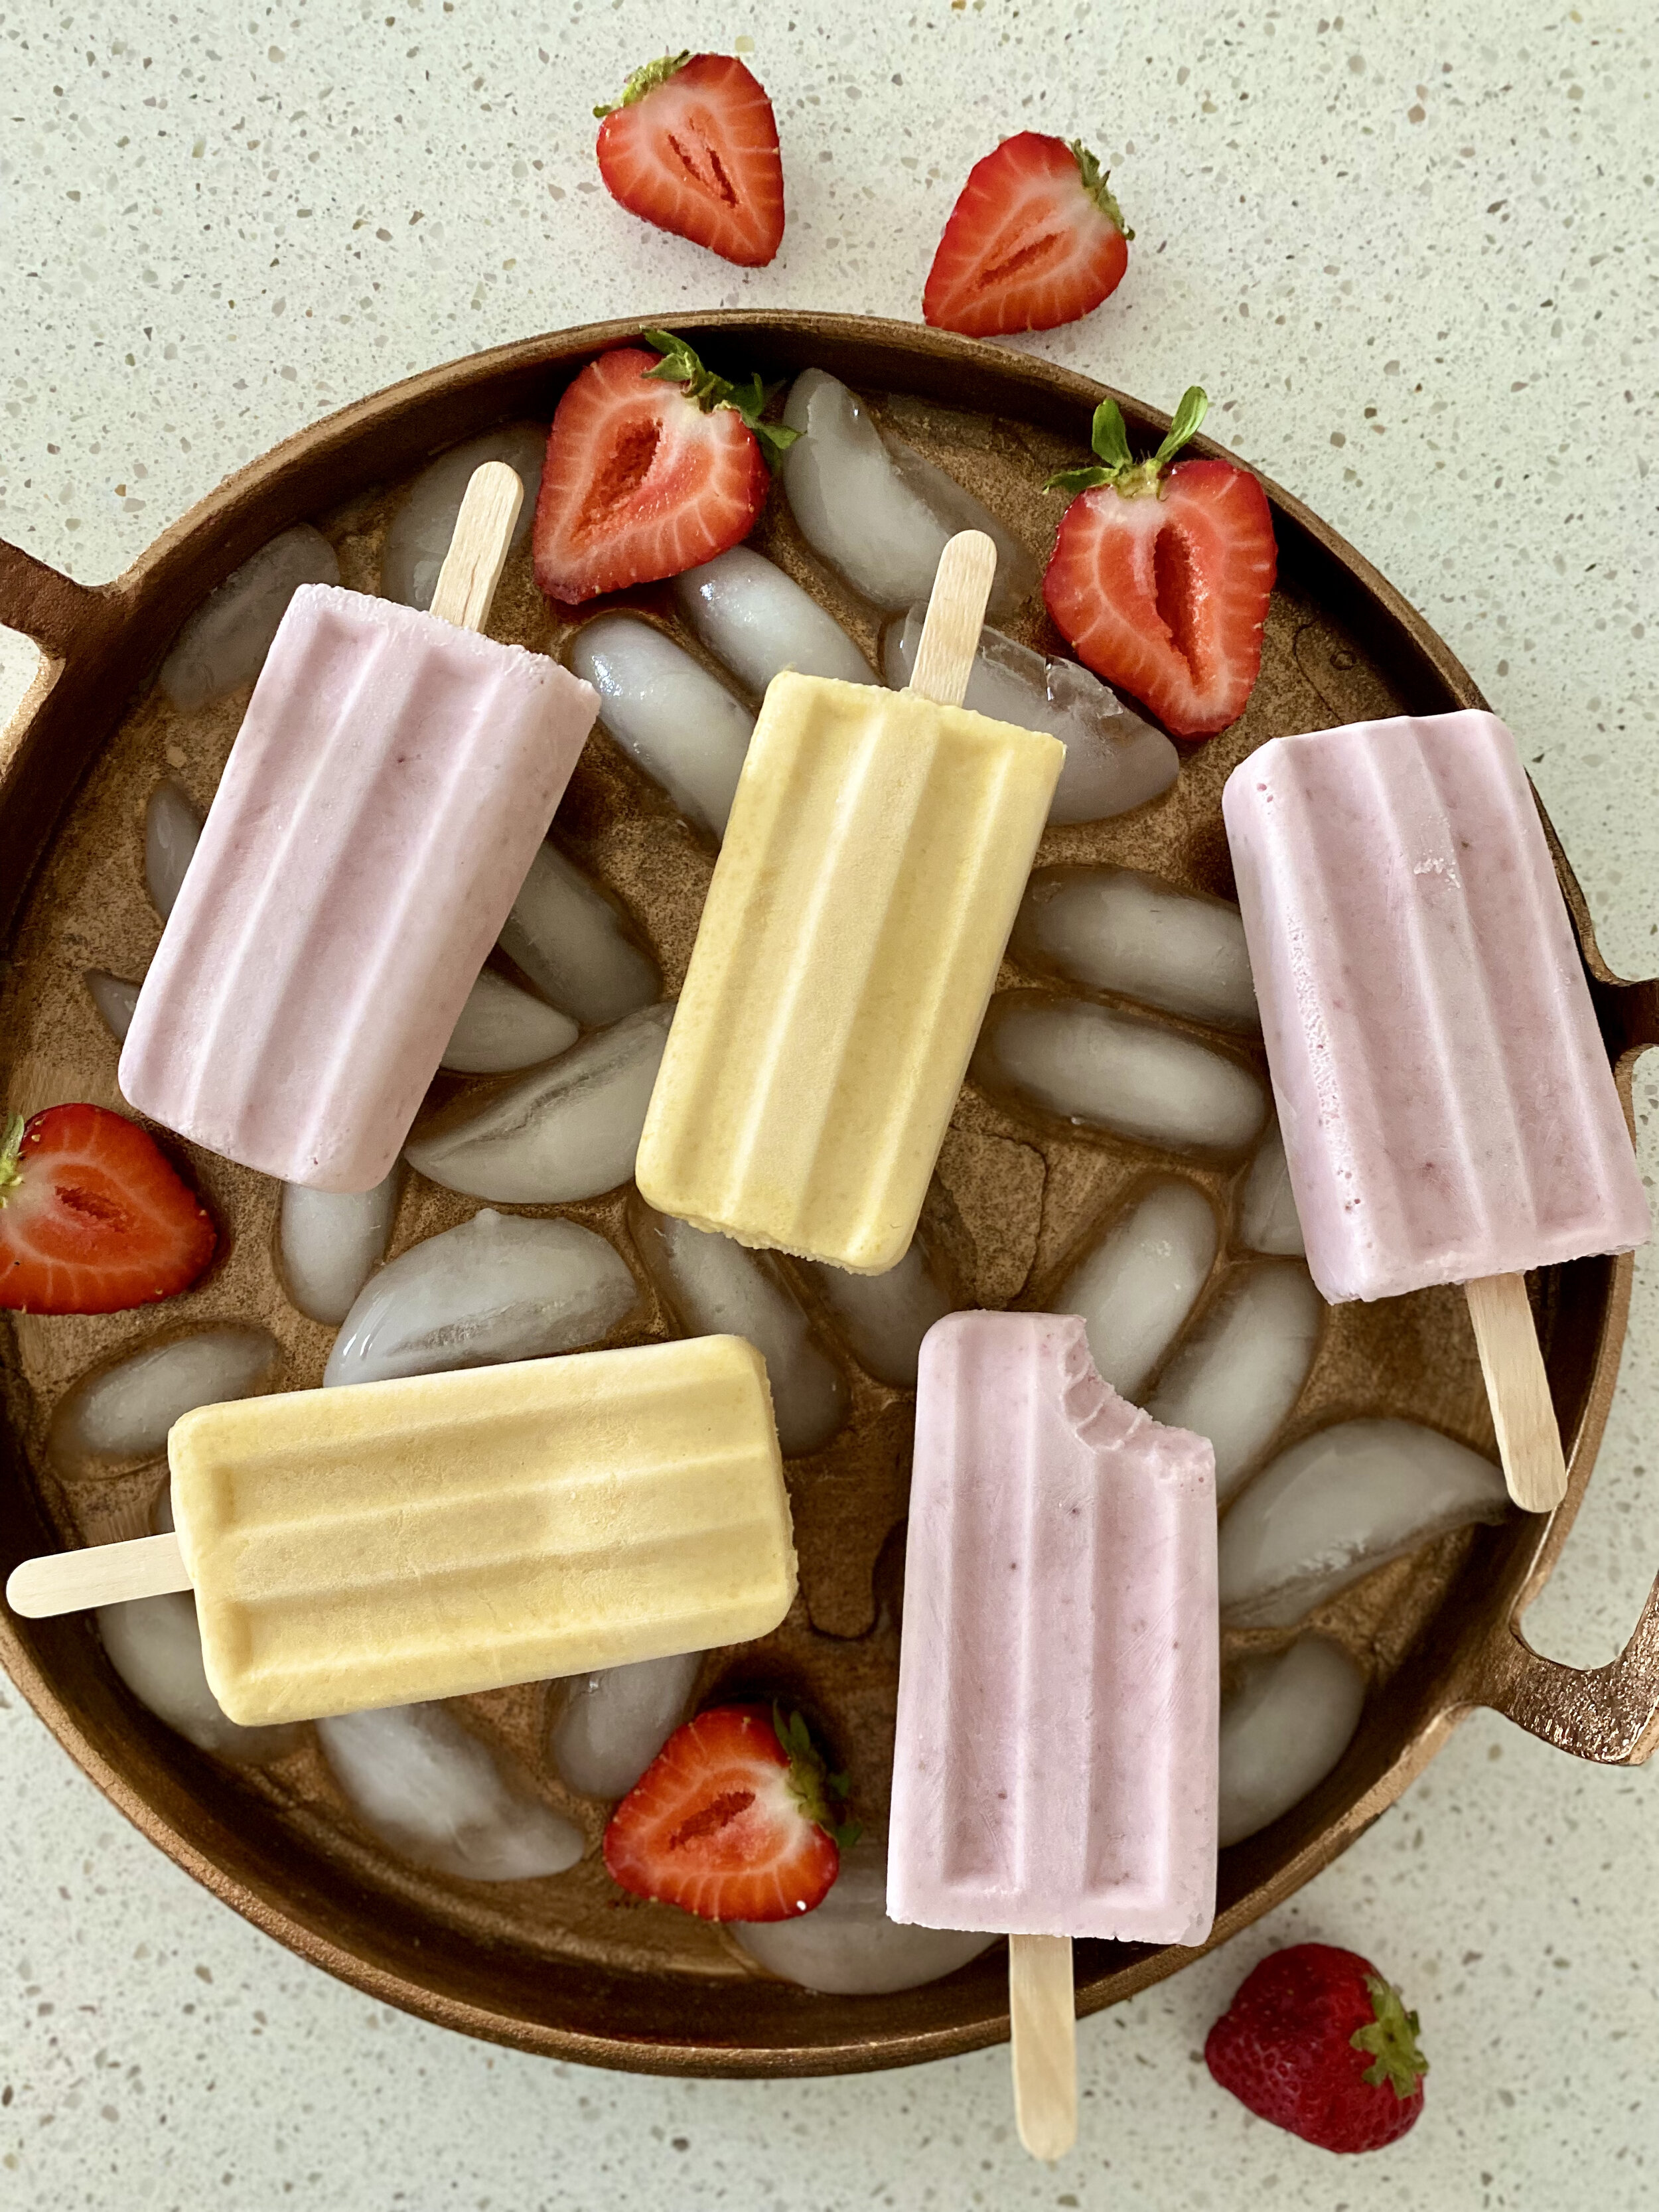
(1410, 249)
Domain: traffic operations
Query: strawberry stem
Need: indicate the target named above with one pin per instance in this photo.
(680, 365)
(810, 1783)
(11, 1144)
(646, 80)
(1391, 2038)
(1096, 184)
(1117, 466)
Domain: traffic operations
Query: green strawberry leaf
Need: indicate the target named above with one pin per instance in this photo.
(11, 1144)
(1095, 183)
(1116, 465)
(680, 365)
(647, 79)
(810, 1783)
(1391, 2040)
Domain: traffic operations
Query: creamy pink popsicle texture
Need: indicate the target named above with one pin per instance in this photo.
(1447, 1105)
(1054, 1770)
(392, 779)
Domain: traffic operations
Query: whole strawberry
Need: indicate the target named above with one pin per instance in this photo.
(1317, 2042)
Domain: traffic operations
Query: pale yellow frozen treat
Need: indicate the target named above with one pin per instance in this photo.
(875, 857)
(444, 1534)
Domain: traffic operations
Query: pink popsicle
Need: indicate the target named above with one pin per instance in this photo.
(392, 779)
(1054, 1772)
(1448, 1109)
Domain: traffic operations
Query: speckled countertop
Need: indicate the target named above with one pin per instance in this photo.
(1410, 249)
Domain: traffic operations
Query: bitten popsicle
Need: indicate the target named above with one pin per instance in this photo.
(875, 856)
(393, 778)
(1054, 1772)
(447, 1533)
(1448, 1111)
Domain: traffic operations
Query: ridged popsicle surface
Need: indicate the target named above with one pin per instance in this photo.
(875, 857)
(1445, 1096)
(391, 781)
(1055, 1766)
(447, 1533)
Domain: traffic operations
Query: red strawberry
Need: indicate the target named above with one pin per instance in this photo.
(731, 1819)
(693, 147)
(644, 480)
(1035, 239)
(1317, 2042)
(1162, 581)
(92, 1217)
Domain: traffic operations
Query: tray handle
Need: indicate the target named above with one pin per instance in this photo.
(1607, 1714)
(47, 605)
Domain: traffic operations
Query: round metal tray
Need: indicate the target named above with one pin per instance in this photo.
(569, 1966)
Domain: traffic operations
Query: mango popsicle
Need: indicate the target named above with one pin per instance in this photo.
(875, 857)
(447, 1533)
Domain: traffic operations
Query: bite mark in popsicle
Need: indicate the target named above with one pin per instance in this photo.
(1447, 1108)
(875, 856)
(391, 781)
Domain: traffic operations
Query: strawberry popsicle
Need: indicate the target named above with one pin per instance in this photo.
(1054, 1772)
(1448, 1109)
(392, 782)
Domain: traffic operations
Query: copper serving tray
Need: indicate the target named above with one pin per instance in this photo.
(568, 1967)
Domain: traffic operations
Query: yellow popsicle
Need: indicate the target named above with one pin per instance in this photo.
(875, 856)
(447, 1533)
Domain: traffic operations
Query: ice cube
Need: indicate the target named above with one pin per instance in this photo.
(607, 1727)
(718, 1288)
(501, 1028)
(499, 1287)
(1286, 1721)
(567, 1130)
(758, 620)
(571, 941)
(873, 508)
(114, 998)
(121, 1414)
(1116, 929)
(667, 712)
(173, 829)
(437, 1795)
(1241, 1370)
(224, 643)
(1138, 1283)
(1338, 1504)
(330, 1243)
(883, 1318)
(1091, 1066)
(1113, 760)
(422, 528)
(1268, 1219)
(155, 1645)
(847, 1947)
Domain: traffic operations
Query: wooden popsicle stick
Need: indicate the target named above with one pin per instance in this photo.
(477, 551)
(1518, 1390)
(956, 612)
(1043, 2018)
(102, 1574)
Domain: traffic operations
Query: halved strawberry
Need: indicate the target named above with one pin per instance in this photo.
(1035, 239)
(92, 1217)
(644, 480)
(1161, 581)
(693, 147)
(731, 1819)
